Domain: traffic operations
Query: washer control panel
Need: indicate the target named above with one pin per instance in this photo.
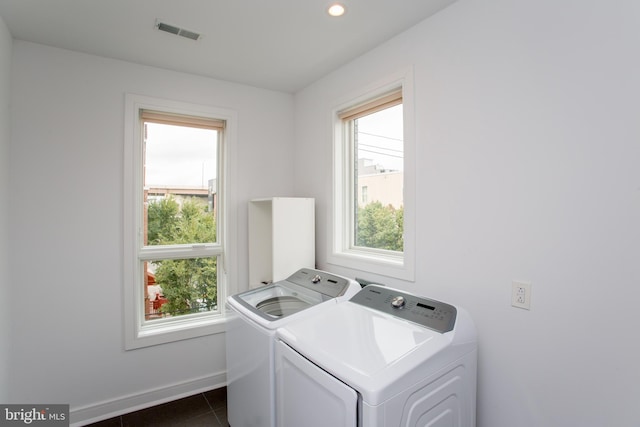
(320, 281)
(436, 315)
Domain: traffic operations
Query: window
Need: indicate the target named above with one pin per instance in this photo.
(174, 220)
(374, 134)
(373, 182)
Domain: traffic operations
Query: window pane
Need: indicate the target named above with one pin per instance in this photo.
(180, 196)
(180, 184)
(378, 200)
(175, 287)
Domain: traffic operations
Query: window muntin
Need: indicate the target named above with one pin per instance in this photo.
(202, 254)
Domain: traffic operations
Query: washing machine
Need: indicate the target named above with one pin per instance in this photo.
(253, 317)
(384, 358)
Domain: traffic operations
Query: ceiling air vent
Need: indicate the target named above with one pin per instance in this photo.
(161, 26)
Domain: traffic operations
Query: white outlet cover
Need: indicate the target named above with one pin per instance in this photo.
(521, 295)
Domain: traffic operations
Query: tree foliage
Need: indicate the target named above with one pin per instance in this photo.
(380, 227)
(190, 285)
(162, 220)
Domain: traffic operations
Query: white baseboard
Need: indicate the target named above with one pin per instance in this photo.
(122, 405)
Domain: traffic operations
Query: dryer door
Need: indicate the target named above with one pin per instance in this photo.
(308, 396)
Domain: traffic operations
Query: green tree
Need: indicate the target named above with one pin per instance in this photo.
(162, 220)
(190, 285)
(380, 227)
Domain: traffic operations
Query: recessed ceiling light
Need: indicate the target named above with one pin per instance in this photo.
(336, 9)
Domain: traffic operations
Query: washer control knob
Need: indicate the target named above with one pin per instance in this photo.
(398, 302)
(316, 278)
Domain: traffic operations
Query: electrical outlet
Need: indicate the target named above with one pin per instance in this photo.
(521, 295)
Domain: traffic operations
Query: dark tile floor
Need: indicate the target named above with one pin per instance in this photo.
(203, 409)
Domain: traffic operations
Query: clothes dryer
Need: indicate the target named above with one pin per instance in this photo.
(253, 317)
(384, 358)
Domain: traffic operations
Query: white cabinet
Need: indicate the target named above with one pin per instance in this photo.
(281, 238)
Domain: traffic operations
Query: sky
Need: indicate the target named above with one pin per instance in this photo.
(381, 138)
(180, 156)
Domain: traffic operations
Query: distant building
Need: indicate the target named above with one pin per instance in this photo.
(209, 194)
(377, 184)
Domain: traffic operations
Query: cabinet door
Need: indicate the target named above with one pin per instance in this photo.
(308, 396)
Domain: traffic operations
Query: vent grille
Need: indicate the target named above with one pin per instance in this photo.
(172, 29)
(189, 34)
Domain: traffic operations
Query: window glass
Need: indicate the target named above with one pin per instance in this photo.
(176, 287)
(179, 180)
(378, 176)
(180, 184)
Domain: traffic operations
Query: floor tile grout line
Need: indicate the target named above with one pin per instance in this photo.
(208, 403)
(191, 417)
(213, 410)
(211, 407)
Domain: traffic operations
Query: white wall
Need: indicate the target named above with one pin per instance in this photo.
(6, 43)
(528, 153)
(66, 221)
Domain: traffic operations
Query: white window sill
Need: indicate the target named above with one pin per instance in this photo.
(389, 265)
(159, 332)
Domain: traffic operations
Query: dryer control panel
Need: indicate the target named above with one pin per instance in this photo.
(436, 315)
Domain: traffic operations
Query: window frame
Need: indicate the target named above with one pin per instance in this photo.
(400, 265)
(138, 332)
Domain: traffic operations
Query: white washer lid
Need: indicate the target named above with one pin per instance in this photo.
(245, 303)
(377, 354)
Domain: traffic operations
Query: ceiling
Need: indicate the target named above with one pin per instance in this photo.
(281, 45)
